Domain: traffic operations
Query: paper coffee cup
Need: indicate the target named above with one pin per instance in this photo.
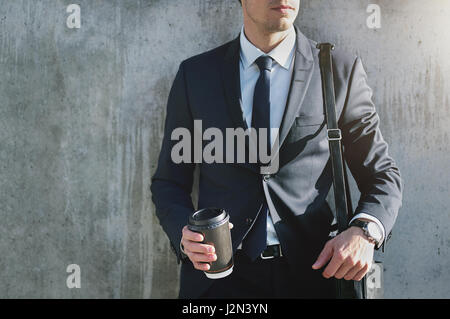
(213, 224)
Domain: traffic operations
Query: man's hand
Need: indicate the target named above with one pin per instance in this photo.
(199, 254)
(351, 255)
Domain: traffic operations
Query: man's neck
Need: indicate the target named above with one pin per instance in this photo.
(265, 41)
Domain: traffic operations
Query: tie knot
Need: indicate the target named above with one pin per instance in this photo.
(264, 62)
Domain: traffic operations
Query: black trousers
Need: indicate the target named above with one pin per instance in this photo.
(271, 278)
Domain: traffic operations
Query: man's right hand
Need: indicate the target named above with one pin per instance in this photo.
(198, 253)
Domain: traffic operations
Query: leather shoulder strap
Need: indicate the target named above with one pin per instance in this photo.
(344, 289)
(340, 182)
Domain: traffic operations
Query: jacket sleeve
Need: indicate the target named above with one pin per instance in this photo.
(366, 153)
(171, 184)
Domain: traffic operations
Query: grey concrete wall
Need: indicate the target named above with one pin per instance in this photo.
(81, 118)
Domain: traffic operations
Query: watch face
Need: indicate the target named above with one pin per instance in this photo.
(374, 231)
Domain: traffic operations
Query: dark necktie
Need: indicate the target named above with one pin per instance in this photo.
(261, 100)
(255, 241)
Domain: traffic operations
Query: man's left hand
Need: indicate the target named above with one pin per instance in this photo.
(351, 255)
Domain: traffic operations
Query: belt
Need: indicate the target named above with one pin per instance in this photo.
(272, 251)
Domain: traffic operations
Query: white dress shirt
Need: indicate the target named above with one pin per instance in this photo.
(280, 78)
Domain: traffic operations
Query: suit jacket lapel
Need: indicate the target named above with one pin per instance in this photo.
(232, 88)
(301, 77)
(231, 83)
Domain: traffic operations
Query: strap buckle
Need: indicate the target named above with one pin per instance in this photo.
(326, 44)
(334, 134)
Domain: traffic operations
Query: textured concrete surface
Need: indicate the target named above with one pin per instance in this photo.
(81, 117)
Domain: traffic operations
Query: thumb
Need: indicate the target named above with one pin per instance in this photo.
(324, 257)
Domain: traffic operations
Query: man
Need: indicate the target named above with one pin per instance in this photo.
(269, 77)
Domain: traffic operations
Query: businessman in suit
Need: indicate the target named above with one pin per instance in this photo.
(269, 77)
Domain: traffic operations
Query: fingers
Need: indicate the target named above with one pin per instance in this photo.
(201, 261)
(336, 262)
(347, 268)
(350, 254)
(196, 257)
(197, 247)
(360, 275)
(198, 253)
(191, 242)
(351, 273)
(344, 269)
(190, 235)
(201, 266)
(324, 256)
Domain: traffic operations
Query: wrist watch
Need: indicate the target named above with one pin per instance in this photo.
(370, 229)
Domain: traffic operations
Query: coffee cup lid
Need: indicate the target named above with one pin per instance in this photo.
(206, 216)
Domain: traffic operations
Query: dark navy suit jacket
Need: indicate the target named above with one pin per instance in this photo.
(207, 88)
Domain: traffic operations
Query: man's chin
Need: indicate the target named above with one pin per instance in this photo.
(282, 25)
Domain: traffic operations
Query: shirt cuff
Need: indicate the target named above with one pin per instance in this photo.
(373, 219)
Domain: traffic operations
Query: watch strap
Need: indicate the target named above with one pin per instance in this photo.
(364, 226)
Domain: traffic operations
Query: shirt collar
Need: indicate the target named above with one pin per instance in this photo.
(282, 53)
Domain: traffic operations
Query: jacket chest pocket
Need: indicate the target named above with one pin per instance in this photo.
(306, 126)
